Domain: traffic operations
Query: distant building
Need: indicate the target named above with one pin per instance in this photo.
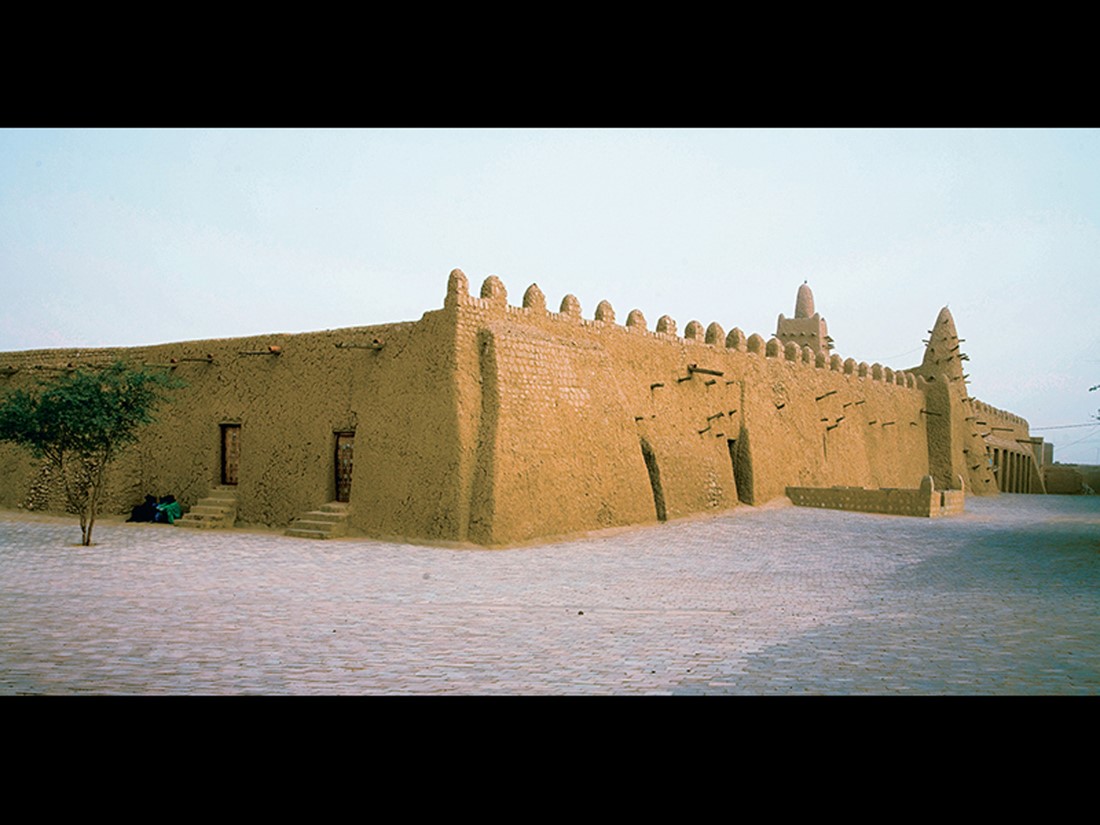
(1072, 479)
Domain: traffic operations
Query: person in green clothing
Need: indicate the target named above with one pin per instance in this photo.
(168, 509)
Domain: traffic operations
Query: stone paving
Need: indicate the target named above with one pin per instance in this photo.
(1004, 599)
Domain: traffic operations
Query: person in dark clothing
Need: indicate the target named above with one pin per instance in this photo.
(146, 511)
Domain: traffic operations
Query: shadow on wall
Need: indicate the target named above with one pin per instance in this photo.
(654, 480)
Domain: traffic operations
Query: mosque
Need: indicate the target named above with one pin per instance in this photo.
(497, 424)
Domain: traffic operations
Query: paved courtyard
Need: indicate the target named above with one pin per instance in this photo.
(1004, 599)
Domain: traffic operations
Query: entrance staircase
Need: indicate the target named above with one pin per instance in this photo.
(219, 509)
(329, 522)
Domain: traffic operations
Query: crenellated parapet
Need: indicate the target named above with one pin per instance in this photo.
(534, 299)
(796, 350)
(989, 413)
(570, 307)
(458, 289)
(493, 291)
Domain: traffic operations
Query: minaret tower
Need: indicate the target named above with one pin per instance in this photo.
(956, 450)
(807, 327)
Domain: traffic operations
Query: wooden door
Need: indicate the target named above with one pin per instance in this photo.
(345, 449)
(231, 453)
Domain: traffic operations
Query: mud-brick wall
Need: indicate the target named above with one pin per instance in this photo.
(686, 420)
(409, 469)
(1004, 431)
(556, 448)
(820, 426)
(546, 447)
(567, 409)
(160, 464)
(956, 445)
(793, 421)
(564, 405)
(923, 501)
(289, 407)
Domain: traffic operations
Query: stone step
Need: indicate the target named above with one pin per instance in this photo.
(210, 509)
(308, 534)
(325, 515)
(199, 524)
(328, 521)
(314, 524)
(211, 520)
(211, 515)
(334, 528)
(210, 502)
(217, 509)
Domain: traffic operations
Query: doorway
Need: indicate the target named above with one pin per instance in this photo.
(345, 451)
(741, 464)
(231, 453)
(654, 480)
(731, 444)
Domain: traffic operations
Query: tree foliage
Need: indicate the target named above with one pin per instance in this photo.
(79, 422)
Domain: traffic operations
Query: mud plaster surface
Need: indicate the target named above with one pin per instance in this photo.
(497, 424)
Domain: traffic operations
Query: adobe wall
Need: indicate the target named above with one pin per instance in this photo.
(1072, 479)
(1014, 457)
(924, 501)
(289, 407)
(1062, 479)
(567, 403)
(498, 423)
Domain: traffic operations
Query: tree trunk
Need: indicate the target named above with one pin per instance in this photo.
(95, 477)
(74, 476)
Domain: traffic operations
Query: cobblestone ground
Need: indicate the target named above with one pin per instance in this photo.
(1004, 599)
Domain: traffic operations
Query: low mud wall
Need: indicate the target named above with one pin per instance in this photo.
(924, 501)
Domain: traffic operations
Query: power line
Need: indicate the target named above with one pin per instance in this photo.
(1067, 426)
(903, 354)
(1064, 447)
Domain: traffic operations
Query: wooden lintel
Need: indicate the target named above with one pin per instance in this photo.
(693, 368)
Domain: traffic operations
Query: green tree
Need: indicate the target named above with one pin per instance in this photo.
(79, 422)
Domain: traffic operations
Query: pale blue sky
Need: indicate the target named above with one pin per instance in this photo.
(120, 237)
